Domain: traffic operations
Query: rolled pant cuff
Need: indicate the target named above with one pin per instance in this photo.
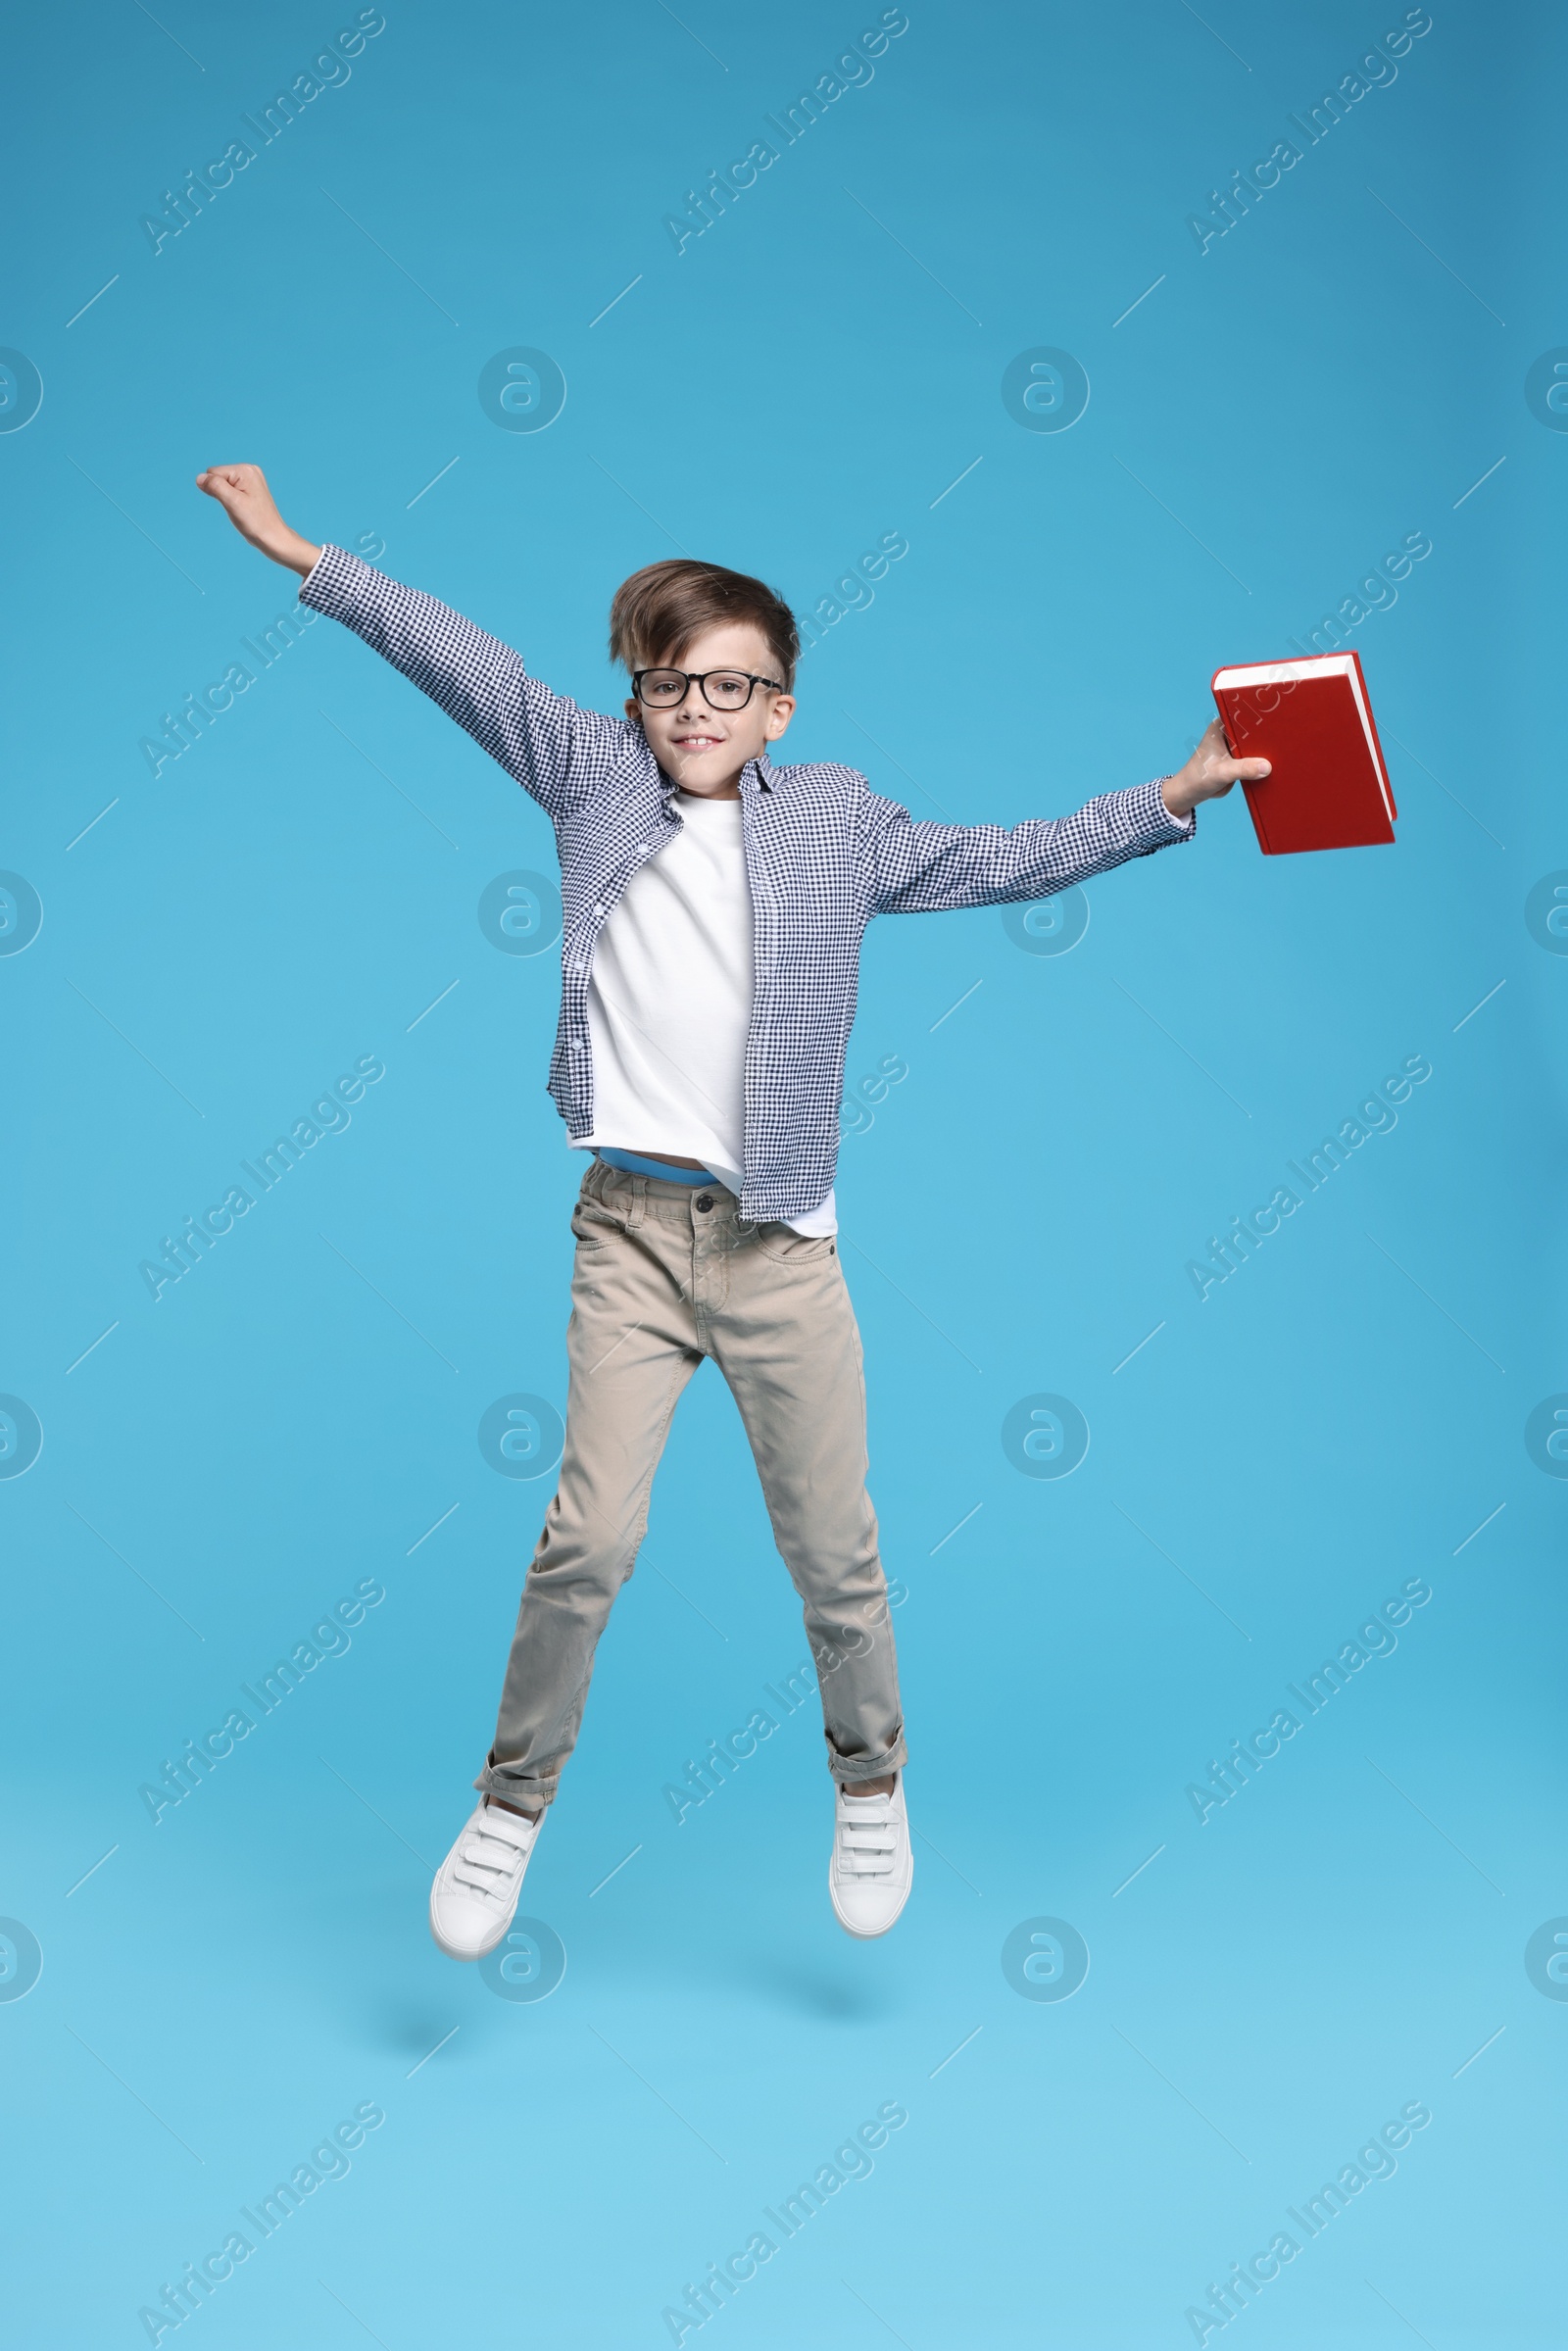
(852, 1769)
(515, 1787)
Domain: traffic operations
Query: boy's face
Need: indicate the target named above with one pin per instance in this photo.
(704, 749)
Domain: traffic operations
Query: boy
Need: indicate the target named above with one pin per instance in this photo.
(713, 906)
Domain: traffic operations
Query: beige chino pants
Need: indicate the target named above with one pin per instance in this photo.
(664, 1275)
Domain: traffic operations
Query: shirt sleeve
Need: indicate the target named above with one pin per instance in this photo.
(546, 741)
(921, 867)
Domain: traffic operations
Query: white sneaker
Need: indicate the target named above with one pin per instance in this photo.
(872, 1867)
(476, 1887)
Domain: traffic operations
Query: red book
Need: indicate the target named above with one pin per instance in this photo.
(1313, 720)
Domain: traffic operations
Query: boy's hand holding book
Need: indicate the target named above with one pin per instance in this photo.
(1207, 775)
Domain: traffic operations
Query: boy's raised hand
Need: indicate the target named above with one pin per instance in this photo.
(242, 493)
(1210, 773)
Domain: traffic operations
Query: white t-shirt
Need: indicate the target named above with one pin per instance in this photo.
(669, 1001)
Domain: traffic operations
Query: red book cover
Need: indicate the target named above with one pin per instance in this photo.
(1313, 720)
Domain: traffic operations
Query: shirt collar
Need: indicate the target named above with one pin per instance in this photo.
(757, 773)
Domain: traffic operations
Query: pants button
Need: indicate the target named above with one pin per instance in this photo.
(704, 1202)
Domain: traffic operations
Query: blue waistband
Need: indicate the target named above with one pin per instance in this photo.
(633, 1163)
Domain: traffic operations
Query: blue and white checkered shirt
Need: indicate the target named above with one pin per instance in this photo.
(823, 854)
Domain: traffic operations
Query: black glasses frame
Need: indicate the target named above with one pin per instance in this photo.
(699, 678)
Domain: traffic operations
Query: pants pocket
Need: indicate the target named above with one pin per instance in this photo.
(781, 1245)
(593, 1227)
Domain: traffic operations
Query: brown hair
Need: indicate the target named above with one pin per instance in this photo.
(661, 609)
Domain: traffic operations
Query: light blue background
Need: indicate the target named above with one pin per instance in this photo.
(1339, 1418)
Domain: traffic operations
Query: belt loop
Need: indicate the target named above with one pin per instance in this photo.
(639, 1196)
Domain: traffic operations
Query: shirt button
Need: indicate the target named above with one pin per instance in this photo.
(704, 1202)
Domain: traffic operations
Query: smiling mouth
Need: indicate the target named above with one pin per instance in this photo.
(696, 743)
